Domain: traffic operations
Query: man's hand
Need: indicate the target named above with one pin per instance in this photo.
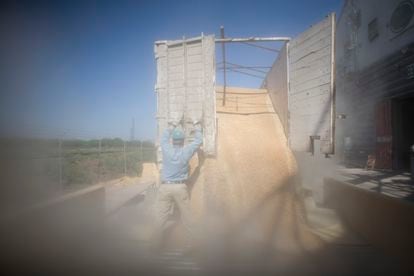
(197, 122)
(175, 122)
(197, 125)
(172, 125)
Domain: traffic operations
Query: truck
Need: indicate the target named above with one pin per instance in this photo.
(301, 84)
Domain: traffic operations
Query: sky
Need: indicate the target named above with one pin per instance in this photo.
(86, 69)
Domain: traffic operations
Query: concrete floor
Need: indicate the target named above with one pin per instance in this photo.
(391, 183)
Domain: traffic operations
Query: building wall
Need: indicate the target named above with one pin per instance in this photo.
(354, 49)
(368, 71)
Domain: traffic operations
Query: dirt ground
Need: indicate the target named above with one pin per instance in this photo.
(149, 172)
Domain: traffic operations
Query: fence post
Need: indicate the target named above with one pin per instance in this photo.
(125, 162)
(99, 160)
(141, 152)
(141, 157)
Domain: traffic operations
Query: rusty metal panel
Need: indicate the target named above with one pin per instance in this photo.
(185, 86)
(311, 86)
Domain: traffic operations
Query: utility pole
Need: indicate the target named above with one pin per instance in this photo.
(223, 47)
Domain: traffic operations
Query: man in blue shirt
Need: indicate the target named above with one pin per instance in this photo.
(173, 190)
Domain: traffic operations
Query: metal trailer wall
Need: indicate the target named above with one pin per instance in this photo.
(277, 84)
(185, 86)
(311, 91)
(301, 86)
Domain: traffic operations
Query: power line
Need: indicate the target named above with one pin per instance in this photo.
(245, 73)
(261, 47)
(246, 67)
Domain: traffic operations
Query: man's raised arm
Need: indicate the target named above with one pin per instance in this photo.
(165, 138)
(195, 144)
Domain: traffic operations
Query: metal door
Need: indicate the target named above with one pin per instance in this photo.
(383, 152)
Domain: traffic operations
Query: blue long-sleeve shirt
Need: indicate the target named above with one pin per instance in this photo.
(175, 159)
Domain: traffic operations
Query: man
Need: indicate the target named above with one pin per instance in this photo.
(173, 190)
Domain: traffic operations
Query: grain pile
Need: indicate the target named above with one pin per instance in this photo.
(247, 211)
(247, 192)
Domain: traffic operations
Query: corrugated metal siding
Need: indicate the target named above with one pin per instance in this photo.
(185, 86)
(276, 83)
(311, 86)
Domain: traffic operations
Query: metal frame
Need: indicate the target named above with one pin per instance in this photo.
(225, 40)
(288, 93)
(252, 39)
(333, 86)
(235, 67)
(223, 49)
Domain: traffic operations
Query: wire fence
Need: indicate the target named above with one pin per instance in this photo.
(62, 162)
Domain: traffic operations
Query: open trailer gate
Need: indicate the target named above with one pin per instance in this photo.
(312, 87)
(186, 86)
(301, 85)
